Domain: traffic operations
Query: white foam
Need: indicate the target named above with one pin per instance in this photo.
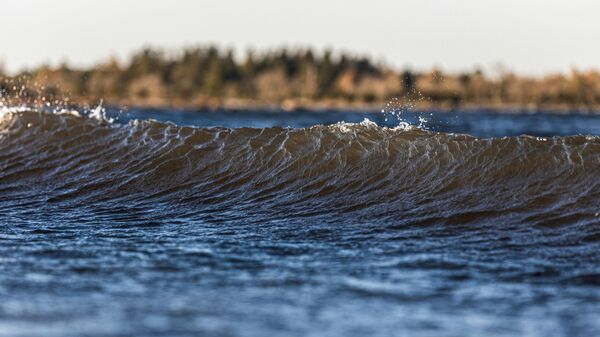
(12, 109)
(99, 113)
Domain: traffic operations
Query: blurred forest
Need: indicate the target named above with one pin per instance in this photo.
(288, 78)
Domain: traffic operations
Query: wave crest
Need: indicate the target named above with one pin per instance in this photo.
(406, 175)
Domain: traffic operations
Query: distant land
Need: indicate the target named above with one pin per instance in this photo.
(210, 77)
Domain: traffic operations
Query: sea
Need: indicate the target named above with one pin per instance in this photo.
(260, 222)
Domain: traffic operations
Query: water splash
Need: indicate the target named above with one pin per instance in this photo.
(21, 94)
(396, 108)
(99, 113)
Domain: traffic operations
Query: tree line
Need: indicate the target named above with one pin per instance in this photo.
(209, 76)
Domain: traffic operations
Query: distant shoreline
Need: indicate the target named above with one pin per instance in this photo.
(294, 79)
(291, 106)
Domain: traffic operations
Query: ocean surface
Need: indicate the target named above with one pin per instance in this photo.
(269, 223)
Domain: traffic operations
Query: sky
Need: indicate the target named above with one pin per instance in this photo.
(527, 36)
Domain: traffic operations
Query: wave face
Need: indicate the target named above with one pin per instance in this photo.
(391, 225)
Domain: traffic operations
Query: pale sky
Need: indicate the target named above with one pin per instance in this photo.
(528, 36)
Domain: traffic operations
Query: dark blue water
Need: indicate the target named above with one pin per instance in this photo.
(250, 223)
(479, 123)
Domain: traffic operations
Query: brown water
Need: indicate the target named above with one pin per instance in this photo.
(148, 228)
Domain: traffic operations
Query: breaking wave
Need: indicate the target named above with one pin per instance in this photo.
(403, 175)
(347, 229)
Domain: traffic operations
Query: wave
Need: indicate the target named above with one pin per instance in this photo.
(402, 176)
